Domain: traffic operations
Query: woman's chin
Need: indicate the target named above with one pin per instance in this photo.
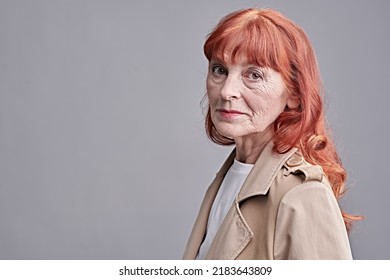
(230, 132)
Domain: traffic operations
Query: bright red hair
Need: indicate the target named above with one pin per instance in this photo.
(267, 38)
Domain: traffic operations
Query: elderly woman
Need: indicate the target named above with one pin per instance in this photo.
(275, 197)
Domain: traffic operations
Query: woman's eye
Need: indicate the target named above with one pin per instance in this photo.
(254, 76)
(218, 70)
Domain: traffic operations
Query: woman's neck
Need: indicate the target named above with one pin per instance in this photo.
(249, 147)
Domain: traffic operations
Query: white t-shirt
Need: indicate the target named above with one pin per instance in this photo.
(224, 199)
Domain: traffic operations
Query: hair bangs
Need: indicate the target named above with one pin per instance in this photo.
(256, 42)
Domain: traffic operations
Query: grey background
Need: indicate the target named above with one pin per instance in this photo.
(102, 148)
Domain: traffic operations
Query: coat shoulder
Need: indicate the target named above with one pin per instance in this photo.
(297, 165)
(295, 172)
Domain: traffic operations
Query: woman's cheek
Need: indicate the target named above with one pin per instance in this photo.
(212, 92)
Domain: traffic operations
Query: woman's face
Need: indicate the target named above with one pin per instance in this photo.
(244, 98)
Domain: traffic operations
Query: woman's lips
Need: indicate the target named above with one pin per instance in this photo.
(229, 113)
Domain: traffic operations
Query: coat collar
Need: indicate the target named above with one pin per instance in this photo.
(263, 173)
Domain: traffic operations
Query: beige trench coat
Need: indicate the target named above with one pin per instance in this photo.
(284, 210)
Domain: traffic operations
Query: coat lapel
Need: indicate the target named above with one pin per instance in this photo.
(232, 237)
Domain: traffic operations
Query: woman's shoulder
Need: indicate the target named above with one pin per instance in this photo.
(311, 188)
(306, 182)
(309, 223)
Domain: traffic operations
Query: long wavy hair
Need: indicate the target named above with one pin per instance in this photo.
(267, 38)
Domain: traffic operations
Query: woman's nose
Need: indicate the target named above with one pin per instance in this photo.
(231, 88)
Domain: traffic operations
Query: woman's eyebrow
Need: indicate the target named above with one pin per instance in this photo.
(217, 60)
